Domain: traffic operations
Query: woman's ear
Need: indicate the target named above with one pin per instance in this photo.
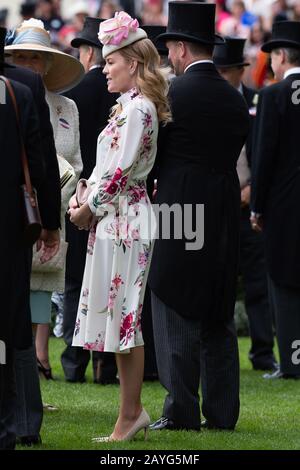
(133, 67)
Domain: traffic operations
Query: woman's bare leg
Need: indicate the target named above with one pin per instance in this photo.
(131, 372)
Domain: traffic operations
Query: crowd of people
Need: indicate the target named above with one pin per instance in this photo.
(120, 118)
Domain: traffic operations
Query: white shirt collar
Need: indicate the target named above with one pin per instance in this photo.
(240, 89)
(198, 62)
(94, 67)
(291, 71)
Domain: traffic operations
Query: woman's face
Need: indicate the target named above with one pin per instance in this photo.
(33, 60)
(120, 74)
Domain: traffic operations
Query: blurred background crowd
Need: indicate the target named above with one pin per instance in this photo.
(251, 19)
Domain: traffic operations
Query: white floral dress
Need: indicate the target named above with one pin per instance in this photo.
(119, 247)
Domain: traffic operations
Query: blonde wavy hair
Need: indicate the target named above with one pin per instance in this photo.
(152, 79)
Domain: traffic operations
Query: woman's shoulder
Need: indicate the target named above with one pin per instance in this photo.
(59, 100)
(142, 103)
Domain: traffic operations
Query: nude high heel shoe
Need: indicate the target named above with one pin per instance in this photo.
(142, 422)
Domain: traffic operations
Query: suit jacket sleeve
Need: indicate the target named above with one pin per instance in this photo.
(29, 125)
(50, 194)
(266, 130)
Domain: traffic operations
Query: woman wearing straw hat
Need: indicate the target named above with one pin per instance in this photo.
(118, 256)
(30, 47)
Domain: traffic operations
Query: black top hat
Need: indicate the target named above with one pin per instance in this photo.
(230, 54)
(28, 8)
(152, 32)
(89, 33)
(193, 22)
(3, 15)
(284, 34)
(2, 44)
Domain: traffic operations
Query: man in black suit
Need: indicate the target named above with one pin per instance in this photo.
(276, 189)
(93, 102)
(194, 283)
(29, 409)
(231, 64)
(15, 270)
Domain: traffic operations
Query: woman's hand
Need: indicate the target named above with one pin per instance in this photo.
(73, 202)
(49, 242)
(81, 216)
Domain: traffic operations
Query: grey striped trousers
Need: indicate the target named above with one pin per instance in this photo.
(183, 349)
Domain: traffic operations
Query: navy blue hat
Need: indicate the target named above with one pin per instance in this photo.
(193, 22)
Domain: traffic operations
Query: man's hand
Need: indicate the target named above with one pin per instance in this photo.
(49, 243)
(256, 222)
(81, 217)
(245, 196)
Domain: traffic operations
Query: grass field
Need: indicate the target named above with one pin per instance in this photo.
(269, 417)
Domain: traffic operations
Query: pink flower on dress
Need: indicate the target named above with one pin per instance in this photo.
(147, 120)
(91, 240)
(117, 281)
(123, 182)
(115, 30)
(111, 188)
(85, 292)
(115, 141)
(143, 258)
(118, 174)
(126, 330)
(135, 234)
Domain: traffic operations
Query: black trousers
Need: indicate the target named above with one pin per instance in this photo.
(286, 305)
(254, 274)
(7, 402)
(185, 350)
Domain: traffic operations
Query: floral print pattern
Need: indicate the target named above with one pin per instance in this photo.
(111, 301)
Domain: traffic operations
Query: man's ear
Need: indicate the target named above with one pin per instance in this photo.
(182, 49)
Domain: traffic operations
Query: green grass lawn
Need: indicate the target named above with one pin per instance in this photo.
(269, 417)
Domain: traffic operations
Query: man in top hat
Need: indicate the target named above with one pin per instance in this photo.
(15, 271)
(153, 31)
(276, 189)
(230, 62)
(94, 103)
(3, 16)
(194, 284)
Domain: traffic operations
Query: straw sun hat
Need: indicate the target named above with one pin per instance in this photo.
(65, 71)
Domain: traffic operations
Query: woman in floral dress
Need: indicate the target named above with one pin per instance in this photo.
(120, 242)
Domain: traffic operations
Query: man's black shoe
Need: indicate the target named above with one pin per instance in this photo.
(167, 423)
(207, 425)
(106, 380)
(280, 375)
(272, 366)
(80, 380)
(29, 440)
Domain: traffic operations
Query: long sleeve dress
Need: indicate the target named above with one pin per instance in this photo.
(119, 246)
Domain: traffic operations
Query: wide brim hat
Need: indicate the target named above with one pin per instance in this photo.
(89, 33)
(119, 32)
(192, 22)
(230, 54)
(284, 34)
(65, 71)
(153, 31)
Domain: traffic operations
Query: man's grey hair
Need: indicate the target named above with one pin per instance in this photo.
(97, 57)
(293, 55)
